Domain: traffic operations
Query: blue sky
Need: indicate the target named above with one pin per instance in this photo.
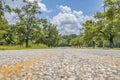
(68, 15)
(88, 7)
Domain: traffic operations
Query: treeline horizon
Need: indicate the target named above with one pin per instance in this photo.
(104, 32)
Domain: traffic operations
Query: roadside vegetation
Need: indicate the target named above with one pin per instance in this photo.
(21, 47)
(31, 31)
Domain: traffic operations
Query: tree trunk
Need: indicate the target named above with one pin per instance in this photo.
(27, 42)
(93, 44)
(111, 42)
(27, 36)
(103, 44)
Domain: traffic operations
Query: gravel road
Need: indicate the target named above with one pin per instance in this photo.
(60, 64)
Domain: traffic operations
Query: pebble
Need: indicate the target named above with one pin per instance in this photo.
(1, 76)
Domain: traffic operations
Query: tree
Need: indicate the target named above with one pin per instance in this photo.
(112, 19)
(66, 39)
(109, 21)
(51, 33)
(4, 8)
(90, 32)
(5, 30)
(53, 36)
(77, 42)
(28, 19)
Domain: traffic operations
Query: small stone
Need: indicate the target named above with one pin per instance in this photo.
(1, 76)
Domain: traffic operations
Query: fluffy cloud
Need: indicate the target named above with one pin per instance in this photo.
(65, 9)
(69, 21)
(41, 5)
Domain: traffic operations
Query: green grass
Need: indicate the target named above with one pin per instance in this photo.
(20, 47)
(106, 48)
(114, 48)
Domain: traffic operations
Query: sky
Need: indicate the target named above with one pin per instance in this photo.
(67, 15)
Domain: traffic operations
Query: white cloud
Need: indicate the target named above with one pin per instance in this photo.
(69, 21)
(65, 9)
(41, 5)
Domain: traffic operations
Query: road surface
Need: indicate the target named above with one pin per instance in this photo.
(60, 64)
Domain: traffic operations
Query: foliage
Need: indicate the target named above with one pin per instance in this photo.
(30, 29)
(35, 32)
(107, 28)
(77, 42)
(28, 20)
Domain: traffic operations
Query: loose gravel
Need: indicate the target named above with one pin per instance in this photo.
(64, 64)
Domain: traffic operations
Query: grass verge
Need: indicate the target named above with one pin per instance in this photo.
(20, 47)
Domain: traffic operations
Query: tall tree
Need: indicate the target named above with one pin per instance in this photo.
(28, 19)
(4, 25)
(109, 21)
(53, 36)
(112, 14)
(90, 32)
